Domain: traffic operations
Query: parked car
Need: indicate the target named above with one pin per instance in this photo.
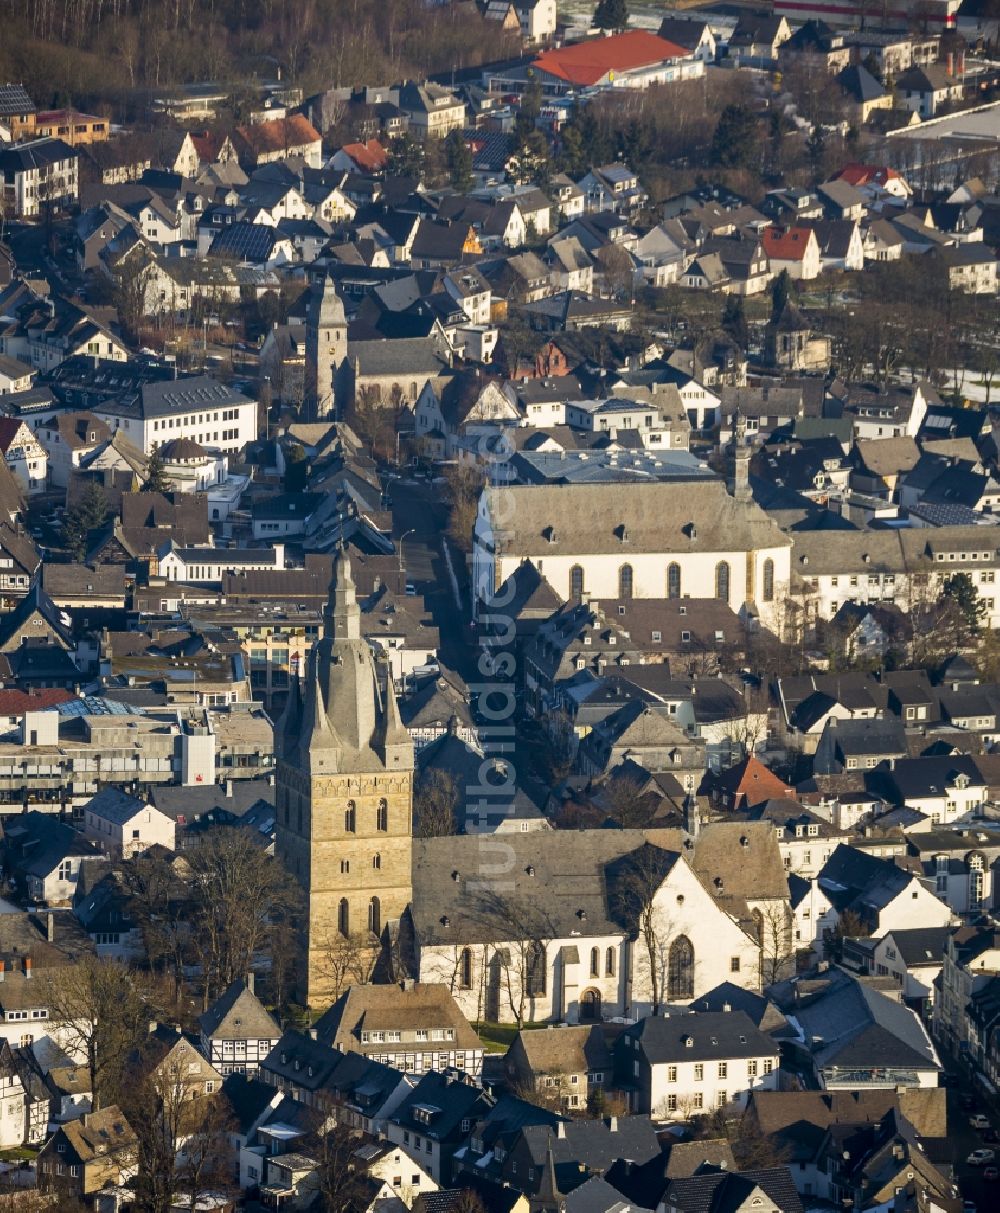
(991, 1135)
(991, 1173)
(980, 1158)
(979, 1121)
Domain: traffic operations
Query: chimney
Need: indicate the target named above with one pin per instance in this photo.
(50, 926)
(249, 981)
(27, 966)
(561, 1130)
(949, 64)
(3, 968)
(612, 1124)
(960, 64)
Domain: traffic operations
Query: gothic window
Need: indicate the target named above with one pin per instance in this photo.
(351, 817)
(465, 969)
(673, 581)
(609, 963)
(576, 583)
(722, 580)
(382, 815)
(375, 917)
(680, 969)
(769, 580)
(625, 581)
(595, 962)
(536, 970)
(344, 918)
(377, 861)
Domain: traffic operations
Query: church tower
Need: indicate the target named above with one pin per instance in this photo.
(344, 800)
(326, 349)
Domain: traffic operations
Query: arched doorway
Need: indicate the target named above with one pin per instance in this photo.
(590, 1005)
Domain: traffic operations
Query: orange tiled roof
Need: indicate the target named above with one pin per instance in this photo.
(588, 62)
(370, 155)
(786, 243)
(862, 174)
(278, 134)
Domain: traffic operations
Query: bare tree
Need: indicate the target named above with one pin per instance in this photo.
(465, 485)
(774, 938)
(103, 1009)
(435, 804)
(183, 1133)
(348, 960)
(239, 893)
(522, 931)
(636, 880)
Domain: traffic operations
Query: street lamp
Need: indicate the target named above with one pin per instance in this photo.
(400, 549)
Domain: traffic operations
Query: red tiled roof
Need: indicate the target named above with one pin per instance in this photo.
(370, 155)
(207, 145)
(750, 783)
(13, 702)
(861, 174)
(786, 244)
(279, 133)
(46, 117)
(588, 62)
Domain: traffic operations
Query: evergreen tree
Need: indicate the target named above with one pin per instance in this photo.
(816, 149)
(960, 592)
(736, 142)
(611, 14)
(779, 294)
(156, 480)
(83, 517)
(459, 161)
(734, 320)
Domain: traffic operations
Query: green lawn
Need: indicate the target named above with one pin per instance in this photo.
(497, 1037)
(18, 1154)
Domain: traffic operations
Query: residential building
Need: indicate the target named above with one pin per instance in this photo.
(38, 177)
(414, 1028)
(699, 1062)
(123, 826)
(85, 1155)
(564, 1065)
(237, 1032)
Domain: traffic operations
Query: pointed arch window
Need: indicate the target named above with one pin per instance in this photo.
(377, 862)
(680, 968)
(351, 817)
(722, 580)
(595, 962)
(465, 969)
(375, 916)
(609, 963)
(625, 581)
(344, 918)
(673, 580)
(769, 580)
(576, 582)
(382, 816)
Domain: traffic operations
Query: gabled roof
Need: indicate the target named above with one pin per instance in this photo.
(237, 1014)
(585, 63)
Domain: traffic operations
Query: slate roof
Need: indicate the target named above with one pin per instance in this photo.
(189, 392)
(237, 1014)
(854, 1026)
(920, 946)
(656, 515)
(700, 1036)
(112, 804)
(566, 1050)
(724, 1191)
